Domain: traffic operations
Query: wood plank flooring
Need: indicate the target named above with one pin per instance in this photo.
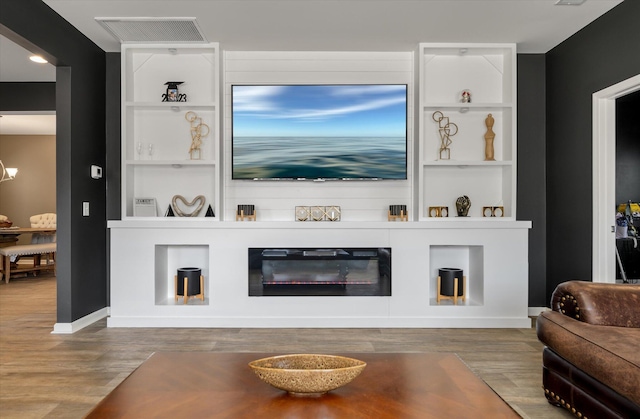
(64, 376)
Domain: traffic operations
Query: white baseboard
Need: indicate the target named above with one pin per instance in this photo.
(535, 311)
(81, 323)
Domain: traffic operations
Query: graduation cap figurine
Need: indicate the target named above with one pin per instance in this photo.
(172, 94)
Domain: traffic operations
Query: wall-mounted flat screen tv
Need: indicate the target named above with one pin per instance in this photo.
(327, 132)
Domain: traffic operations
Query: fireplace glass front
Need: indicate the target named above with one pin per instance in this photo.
(320, 271)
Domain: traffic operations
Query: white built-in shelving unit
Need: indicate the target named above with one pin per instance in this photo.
(166, 169)
(145, 252)
(489, 72)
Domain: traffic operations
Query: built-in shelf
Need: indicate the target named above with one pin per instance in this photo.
(488, 71)
(157, 136)
(168, 259)
(468, 258)
(177, 164)
(146, 252)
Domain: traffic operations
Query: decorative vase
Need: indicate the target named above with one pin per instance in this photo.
(447, 276)
(193, 279)
(463, 204)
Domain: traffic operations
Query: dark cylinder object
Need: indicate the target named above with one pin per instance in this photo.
(193, 275)
(446, 281)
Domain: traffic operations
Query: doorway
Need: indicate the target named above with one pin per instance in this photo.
(604, 176)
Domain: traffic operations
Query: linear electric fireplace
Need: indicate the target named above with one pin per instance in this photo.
(320, 271)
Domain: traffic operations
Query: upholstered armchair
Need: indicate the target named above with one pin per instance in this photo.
(46, 220)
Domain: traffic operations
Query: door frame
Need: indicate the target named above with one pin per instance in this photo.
(604, 177)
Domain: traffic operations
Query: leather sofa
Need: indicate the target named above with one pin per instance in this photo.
(591, 361)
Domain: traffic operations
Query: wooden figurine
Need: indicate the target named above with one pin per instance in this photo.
(488, 139)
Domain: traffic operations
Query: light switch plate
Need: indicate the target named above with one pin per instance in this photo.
(96, 171)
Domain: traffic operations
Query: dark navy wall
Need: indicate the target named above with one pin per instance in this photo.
(531, 169)
(602, 54)
(80, 142)
(28, 96)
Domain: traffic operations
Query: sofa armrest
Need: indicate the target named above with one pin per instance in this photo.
(599, 303)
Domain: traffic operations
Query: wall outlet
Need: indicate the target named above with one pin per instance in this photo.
(85, 209)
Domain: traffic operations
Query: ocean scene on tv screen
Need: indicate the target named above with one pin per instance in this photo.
(319, 132)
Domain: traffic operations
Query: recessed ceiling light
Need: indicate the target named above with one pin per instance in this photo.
(569, 2)
(38, 59)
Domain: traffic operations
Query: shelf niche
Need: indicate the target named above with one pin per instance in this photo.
(468, 258)
(171, 257)
(488, 71)
(166, 169)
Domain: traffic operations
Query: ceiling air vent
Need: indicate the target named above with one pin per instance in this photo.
(153, 29)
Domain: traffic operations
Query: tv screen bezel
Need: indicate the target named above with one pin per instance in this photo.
(406, 135)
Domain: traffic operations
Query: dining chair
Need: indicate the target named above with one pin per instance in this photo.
(45, 220)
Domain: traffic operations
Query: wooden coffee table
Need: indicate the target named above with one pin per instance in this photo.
(221, 385)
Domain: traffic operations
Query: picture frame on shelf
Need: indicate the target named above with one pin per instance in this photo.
(145, 207)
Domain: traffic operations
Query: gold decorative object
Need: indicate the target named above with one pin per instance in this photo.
(447, 130)
(198, 130)
(307, 374)
(488, 139)
(302, 213)
(200, 200)
(318, 213)
(496, 211)
(398, 212)
(332, 213)
(438, 211)
(246, 211)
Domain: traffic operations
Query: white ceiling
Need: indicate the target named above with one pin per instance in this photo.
(16, 66)
(324, 25)
(343, 25)
(32, 124)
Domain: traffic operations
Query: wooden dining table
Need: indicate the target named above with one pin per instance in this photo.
(9, 235)
(16, 231)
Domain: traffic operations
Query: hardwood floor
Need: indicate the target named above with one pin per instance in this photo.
(64, 376)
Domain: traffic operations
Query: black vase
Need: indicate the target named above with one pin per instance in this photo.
(193, 278)
(446, 281)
